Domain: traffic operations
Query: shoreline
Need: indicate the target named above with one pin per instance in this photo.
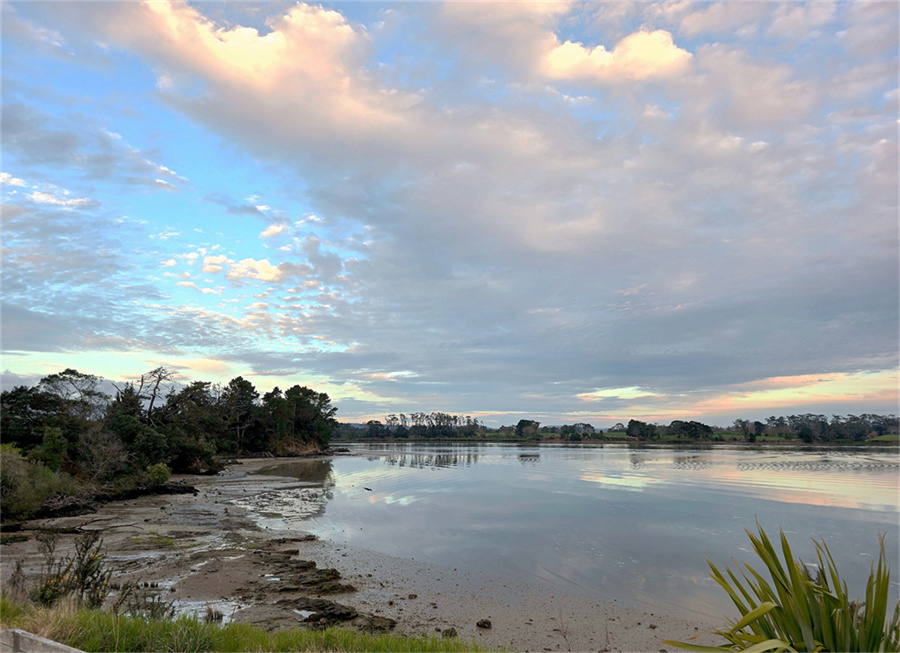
(220, 551)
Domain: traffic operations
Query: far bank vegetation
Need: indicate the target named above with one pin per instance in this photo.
(807, 428)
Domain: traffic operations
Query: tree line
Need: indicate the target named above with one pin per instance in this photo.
(66, 422)
(422, 425)
(808, 428)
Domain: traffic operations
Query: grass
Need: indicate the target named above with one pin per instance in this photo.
(887, 437)
(154, 540)
(96, 630)
(798, 610)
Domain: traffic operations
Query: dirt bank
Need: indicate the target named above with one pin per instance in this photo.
(226, 550)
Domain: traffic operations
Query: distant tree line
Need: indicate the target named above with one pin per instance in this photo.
(424, 425)
(807, 428)
(65, 423)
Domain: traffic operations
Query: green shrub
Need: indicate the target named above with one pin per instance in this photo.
(25, 485)
(799, 612)
(158, 473)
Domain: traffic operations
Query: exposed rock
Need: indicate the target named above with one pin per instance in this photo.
(375, 624)
(484, 623)
(325, 611)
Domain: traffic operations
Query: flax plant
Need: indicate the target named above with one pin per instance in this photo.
(797, 610)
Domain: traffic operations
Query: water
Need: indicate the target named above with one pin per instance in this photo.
(612, 522)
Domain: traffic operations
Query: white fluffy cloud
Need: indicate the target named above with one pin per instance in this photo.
(273, 230)
(642, 55)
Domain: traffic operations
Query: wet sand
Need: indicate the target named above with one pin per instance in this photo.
(227, 550)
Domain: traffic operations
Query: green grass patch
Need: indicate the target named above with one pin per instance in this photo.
(887, 437)
(154, 540)
(96, 630)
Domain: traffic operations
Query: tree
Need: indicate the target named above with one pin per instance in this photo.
(102, 454)
(194, 426)
(238, 400)
(78, 393)
(24, 413)
(692, 430)
(375, 429)
(528, 428)
(150, 383)
(641, 430)
(312, 416)
(53, 449)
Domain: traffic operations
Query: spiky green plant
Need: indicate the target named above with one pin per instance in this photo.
(794, 611)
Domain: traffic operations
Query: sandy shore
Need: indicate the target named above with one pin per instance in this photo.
(221, 550)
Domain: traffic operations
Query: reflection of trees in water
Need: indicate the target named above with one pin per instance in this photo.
(306, 471)
(692, 462)
(819, 465)
(532, 458)
(430, 460)
(295, 501)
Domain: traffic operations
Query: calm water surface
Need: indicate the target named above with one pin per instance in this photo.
(611, 522)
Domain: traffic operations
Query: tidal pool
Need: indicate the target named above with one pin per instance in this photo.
(613, 523)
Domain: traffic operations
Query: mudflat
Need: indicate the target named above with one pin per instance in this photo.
(220, 553)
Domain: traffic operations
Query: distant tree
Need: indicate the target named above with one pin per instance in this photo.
(375, 429)
(528, 428)
(692, 430)
(641, 430)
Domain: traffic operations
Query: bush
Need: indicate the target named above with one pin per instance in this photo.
(799, 612)
(158, 473)
(26, 485)
(83, 575)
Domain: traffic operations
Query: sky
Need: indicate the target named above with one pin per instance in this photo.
(556, 211)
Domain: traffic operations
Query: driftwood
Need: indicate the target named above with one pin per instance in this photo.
(65, 506)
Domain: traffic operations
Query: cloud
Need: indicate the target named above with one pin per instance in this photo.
(78, 143)
(743, 94)
(639, 56)
(799, 21)
(8, 180)
(521, 37)
(249, 268)
(213, 264)
(723, 17)
(54, 200)
(272, 230)
(872, 29)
